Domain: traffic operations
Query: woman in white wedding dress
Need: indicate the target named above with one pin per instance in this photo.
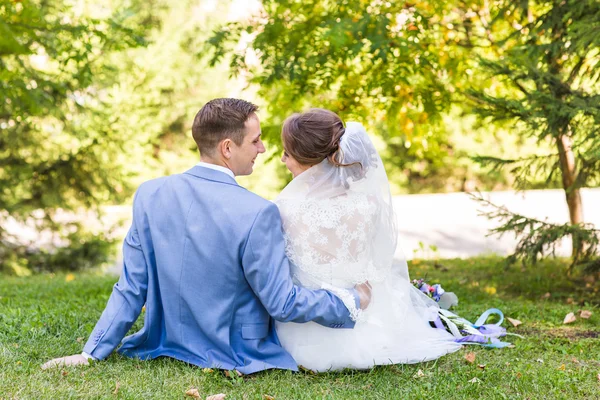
(340, 230)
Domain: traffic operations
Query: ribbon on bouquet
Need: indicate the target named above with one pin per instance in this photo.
(478, 333)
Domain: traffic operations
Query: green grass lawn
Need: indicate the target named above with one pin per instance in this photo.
(47, 316)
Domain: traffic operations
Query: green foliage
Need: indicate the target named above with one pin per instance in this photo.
(97, 97)
(400, 68)
(547, 70)
(60, 144)
(384, 63)
(539, 239)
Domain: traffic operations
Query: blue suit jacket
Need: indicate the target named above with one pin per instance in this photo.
(207, 259)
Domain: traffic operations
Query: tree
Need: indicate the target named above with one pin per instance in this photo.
(548, 64)
(96, 98)
(59, 149)
(391, 64)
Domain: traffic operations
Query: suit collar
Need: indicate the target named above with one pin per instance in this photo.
(211, 175)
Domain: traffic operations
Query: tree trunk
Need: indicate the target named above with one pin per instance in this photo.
(568, 170)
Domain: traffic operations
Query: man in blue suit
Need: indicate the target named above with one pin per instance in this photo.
(207, 259)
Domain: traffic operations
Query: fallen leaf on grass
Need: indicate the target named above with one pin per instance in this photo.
(562, 367)
(519, 375)
(585, 314)
(79, 339)
(570, 300)
(219, 396)
(514, 322)
(490, 290)
(470, 357)
(419, 374)
(232, 374)
(569, 318)
(207, 370)
(267, 397)
(598, 377)
(117, 386)
(482, 366)
(193, 392)
(64, 373)
(546, 295)
(474, 380)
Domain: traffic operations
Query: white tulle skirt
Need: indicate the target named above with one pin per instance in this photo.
(393, 330)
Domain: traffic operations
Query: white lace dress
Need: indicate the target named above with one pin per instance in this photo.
(338, 235)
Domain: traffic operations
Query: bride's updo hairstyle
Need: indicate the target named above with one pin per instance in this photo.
(314, 135)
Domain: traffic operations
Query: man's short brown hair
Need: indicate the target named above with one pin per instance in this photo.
(220, 119)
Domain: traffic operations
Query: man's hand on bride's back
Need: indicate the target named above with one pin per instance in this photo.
(364, 293)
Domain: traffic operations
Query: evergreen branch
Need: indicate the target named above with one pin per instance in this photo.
(575, 71)
(487, 160)
(539, 239)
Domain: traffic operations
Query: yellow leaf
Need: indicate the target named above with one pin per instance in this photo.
(470, 357)
(207, 370)
(69, 278)
(267, 397)
(562, 367)
(193, 392)
(117, 386)
(514, 322)
(585, 314)
(490, 290)
(569, 318)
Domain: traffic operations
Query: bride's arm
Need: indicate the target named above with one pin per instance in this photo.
(267, 270)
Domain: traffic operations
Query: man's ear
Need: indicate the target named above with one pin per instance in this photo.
(225, 148)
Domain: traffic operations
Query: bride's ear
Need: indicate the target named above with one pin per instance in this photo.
(224, 147)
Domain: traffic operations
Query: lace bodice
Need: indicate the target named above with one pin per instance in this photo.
(329, 240)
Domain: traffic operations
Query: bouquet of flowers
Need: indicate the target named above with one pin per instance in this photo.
(465, 332)
(445, 300)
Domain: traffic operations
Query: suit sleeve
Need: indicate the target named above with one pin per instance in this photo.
(267, 270)
(127, 298)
